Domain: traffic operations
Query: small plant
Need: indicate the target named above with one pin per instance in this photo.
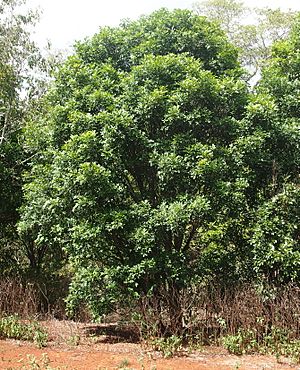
(34, 363)
(275, 338)
(74, 340)
(124, 363)
(13, 327)
(243, 342)
(237, 366)
(141, 362)
(194, 343)
(168, 346)
(278, 343)
(275, 342)
(222, 323)
(40, 336)
(293, 351)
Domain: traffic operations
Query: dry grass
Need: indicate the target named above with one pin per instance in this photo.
(32, 299)
(206, 313)
(18, 298)
(213, 312)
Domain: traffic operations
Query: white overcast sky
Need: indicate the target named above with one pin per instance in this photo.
(64, 21)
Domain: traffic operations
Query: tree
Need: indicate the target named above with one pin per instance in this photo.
(254, 39)
(139, 163)
(23, 77)
(228, 13)
(18, 59)
(268, 146)
(276, 237)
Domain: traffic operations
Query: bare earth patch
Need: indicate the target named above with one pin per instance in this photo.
(81, 346)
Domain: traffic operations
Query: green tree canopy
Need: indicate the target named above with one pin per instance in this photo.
(162, 33)
(143, 117)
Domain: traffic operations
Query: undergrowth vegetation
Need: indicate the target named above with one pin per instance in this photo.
(13, 327)
(243, 320)
(275, 341)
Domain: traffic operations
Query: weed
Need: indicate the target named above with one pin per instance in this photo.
(195, 343)
(12, 327)
(74, 340)
(124, 363)
(34, 363)
(222, 323)
(237, 366)
(141, 362)
(242, 342)
(276, 342)
(168, 346)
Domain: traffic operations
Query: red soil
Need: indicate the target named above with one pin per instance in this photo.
(68, 349)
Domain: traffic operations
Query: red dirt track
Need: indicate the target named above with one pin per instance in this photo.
(18, 355)
(70, 349)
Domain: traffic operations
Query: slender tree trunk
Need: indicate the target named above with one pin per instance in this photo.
(175, 310)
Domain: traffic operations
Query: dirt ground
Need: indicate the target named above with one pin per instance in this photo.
(77, 346)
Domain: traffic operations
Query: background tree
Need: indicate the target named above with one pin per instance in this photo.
(23, 77)
(276, 239)
(252, 30)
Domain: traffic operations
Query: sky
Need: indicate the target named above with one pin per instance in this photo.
(65, 21)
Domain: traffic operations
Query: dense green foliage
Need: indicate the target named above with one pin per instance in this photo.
(151, 168)
(140, 160)
(276, 238)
